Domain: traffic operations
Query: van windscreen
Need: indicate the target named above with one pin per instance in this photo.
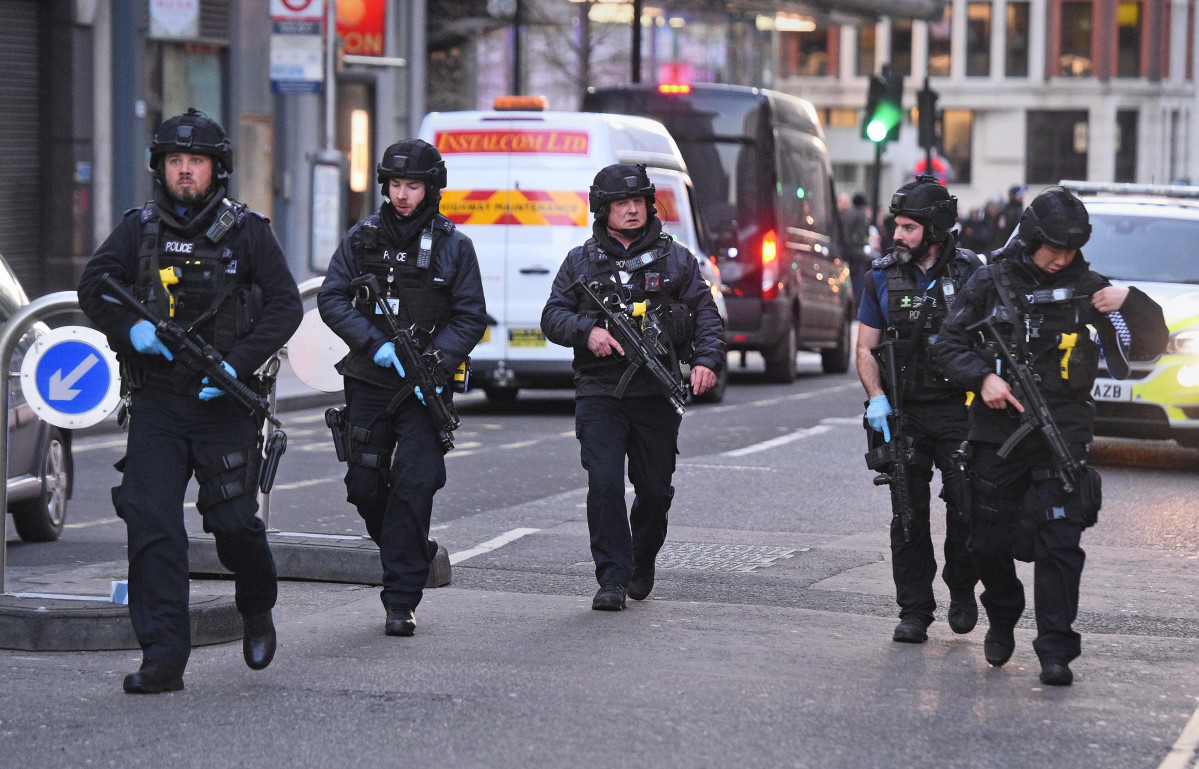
(717, 133)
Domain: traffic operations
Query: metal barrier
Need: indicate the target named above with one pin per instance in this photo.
(10, 335)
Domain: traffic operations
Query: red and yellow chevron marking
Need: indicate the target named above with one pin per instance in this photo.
(532, 207)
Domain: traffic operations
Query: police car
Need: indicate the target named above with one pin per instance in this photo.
(1144, 235)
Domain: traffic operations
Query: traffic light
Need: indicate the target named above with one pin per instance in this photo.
(884, 108)
(926, 104)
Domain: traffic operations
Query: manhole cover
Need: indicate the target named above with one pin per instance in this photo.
(696, 555)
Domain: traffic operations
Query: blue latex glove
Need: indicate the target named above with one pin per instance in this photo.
(208, 393)
(386, 356)
(877, 411)
(145, 340)
(421, 396)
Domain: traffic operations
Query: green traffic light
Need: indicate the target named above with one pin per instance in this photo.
(887, 115)
(876, 130)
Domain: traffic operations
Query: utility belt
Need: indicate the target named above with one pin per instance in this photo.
(981, 500)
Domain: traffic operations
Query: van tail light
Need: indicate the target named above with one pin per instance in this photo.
(770, 266)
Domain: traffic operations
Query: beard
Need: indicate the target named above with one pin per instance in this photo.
(905, 254)
(189, 198)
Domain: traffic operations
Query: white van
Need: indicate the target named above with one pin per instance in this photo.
(517, 185)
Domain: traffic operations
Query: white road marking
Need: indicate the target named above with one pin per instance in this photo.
(782, 440)
(89, 524)
(1184, 749)
(310, 482)
(491, 544)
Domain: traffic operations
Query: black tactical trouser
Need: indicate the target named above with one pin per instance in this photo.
(646, 431)
(937, 430)
(171, 435)
(1019, 516)
(395, 467)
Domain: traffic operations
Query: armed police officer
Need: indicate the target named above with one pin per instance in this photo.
(907, 296)
(427, 273)
(623, 410)
(204, 261)
(1018, 336)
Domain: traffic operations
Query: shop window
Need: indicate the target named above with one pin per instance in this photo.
(978, 39)
(1016, 50)
(957, 128)
(1126, 145)
(805, 53)
(1128, 39)
(1056, 146)
(1074, 57)
(901, 47)
(866, 40)
(192, 77)
(939, 44)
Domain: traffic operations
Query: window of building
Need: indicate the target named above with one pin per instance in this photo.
(1126, 145)
(957, 129)
(901, 47)
(1056, 146)
(806, 52)
(1128, 39)
(192, 77)
(1074, 57)
(842, 118)
(1016, 56)
(866, 38)
(938, 44)
(978, 39)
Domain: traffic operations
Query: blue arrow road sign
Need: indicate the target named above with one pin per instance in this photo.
(73, 377)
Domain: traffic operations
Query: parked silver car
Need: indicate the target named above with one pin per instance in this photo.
(40, 469)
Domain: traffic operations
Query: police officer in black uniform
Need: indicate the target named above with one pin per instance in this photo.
(214, 266)
(629, 256)
(908, 293)
(1041, 294)
(430, 275)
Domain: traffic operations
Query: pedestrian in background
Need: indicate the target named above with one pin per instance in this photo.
(429, 274)
(230, 281)
(629, 258)
(908, 295)
(856, 230)
(1042, 295)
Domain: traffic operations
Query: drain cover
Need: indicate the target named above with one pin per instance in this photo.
(697, 555)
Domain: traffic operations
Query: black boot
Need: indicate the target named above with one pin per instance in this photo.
(963, 613)
(609, 597)
(154, 678)
(642, 582)
(400, 621)
(1056, 673)
(999, 645)
(911, 630)
(258, 639)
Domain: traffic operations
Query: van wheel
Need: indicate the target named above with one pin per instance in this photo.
(715, 394)
(836, 360)
(501, 394)
(41, 519)
(780, 359)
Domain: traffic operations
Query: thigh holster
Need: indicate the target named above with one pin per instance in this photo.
(231, 476)
(366, 453)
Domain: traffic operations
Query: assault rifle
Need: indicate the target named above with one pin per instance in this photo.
(893, 459)
(191, 351)
(641, 346)
(421, 369)
(1037, 415)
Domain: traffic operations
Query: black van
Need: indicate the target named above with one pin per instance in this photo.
(762, 176)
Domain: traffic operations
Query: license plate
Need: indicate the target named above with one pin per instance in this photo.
(1111, 390)
(526, 337)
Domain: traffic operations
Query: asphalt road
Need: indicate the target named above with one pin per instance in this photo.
(766, 642)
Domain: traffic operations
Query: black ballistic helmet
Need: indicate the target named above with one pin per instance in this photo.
(1057, 218)
(412, 159)
(195, 133)
(620, 181)
(924, 200)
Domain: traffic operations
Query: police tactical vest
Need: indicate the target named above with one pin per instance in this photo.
(197, 281)
(409, 281)
(1053, 324)
(648, 282)
(922, 379)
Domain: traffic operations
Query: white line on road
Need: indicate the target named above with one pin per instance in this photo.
(1183, 751)
(310, 482)
(89, 524)
(491, 544)
(782, 440)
